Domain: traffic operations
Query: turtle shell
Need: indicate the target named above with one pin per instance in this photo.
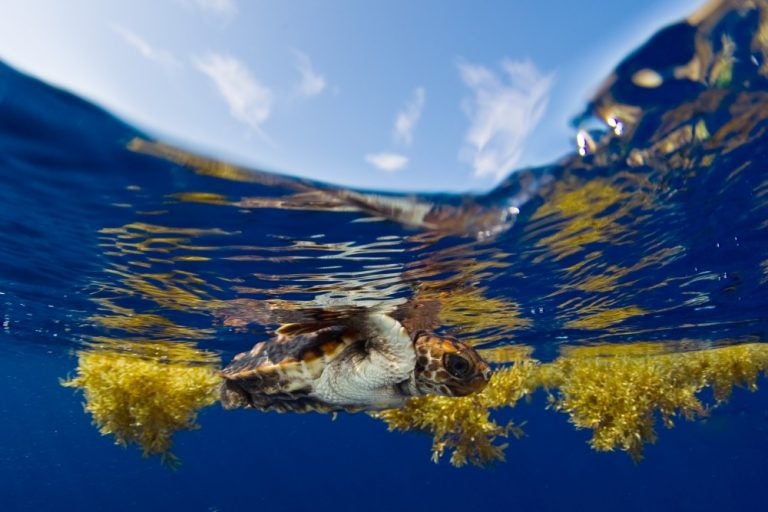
(281, 374)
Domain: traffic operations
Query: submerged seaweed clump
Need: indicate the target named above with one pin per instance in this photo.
(463, 425)
(619, 397)
(618, 391)
(143, 401)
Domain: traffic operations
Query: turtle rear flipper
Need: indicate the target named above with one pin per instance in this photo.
(233, 396)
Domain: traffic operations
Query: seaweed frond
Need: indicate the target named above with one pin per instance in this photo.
(463, 426)
(620, 392)
(620, 397)
(143, 401)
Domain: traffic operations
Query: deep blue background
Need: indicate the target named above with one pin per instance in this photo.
(51, 458)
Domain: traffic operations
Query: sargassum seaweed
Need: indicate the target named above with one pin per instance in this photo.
(619, 392)
(143, 401)
(464, 425)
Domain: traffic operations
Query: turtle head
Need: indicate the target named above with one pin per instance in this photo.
(446, 366)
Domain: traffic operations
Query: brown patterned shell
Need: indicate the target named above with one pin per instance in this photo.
(280, 374)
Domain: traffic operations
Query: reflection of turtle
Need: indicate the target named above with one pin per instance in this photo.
(368, 362)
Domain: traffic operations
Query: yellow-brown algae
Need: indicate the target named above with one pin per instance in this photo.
(618, 391)
(463, 426)
(144, 401)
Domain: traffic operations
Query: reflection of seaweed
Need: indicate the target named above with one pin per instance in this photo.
(574, 228)
(144, 324)
(473, 314)
(616, 393)
(579, 215)
(601, 314)
(144, 401)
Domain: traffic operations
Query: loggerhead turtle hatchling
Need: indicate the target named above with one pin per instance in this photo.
(368, 362)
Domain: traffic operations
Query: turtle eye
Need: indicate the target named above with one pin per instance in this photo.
(457, 366)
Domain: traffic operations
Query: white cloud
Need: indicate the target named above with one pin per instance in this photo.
(223, 8)
(312, 83)
(390, 162)
(406, 119)
(502, 111)
(249, 101)
(148, 51)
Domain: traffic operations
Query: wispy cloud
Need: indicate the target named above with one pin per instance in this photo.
(146, 50)
(408, 117)
(402, 133)
(390, 162)
(503, 110)
(312, 83)
(222, 8)
(249, 101)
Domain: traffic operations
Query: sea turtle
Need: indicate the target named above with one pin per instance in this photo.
(368, 362)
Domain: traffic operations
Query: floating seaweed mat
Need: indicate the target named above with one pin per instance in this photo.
(618, 391)
(145, 400)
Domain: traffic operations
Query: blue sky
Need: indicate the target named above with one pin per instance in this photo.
(402, 95)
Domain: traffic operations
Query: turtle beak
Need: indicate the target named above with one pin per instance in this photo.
(486, 373)
(481, 378)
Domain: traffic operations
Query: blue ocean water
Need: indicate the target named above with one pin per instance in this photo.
(653, 234)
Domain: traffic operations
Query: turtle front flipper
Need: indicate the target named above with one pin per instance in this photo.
(371, 370)
(386, 337)
(419, 314)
